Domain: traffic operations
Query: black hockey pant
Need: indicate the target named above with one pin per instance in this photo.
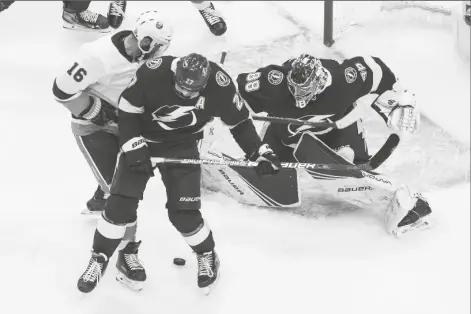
(76, 6)
(183, 190)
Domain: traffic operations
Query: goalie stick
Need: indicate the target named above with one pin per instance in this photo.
(342, 123)
(383, 153)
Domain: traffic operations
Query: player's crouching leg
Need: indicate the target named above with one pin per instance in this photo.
(118, 217)
(407, 212)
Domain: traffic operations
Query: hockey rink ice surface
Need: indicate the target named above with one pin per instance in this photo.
(271, 262)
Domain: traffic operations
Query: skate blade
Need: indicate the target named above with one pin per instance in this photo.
(420, 225)
(131, 284)
(85, 29)
(88, 212)
(207, 290)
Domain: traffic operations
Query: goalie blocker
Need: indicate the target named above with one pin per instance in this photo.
(402, 209)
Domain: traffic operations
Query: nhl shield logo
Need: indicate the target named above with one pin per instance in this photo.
(350, 75)
(275, 77)
(154, 63)
(222, 79)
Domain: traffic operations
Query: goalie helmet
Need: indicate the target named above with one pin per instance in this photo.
(306, 79)
(191, 75)
(151, 26)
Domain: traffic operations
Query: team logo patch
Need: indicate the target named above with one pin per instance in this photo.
(275, 77)
(222, 79)
(154, 63)
(175, 117)
(350, 75)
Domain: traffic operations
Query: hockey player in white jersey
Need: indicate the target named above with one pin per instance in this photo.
(90, 86)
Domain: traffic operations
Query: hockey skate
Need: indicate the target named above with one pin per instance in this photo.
(92, 275)
(208, 271)
(116, 12)
(213, 20)
(86, 21)
(131, 273)
(96, 204)
(407, 212)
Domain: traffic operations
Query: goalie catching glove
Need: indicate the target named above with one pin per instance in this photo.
(99, 112)
(137, 156)
(401, 109)
(268, 161)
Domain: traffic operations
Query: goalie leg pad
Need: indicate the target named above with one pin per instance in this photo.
(245, 186)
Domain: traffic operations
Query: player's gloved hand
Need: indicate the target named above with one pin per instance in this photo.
(401, 109)
(100, 112)
(404, 119)
(138, 156)
(268, 161)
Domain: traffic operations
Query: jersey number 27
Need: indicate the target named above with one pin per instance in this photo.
(76, 72)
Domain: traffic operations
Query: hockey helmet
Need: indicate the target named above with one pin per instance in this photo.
(150, 25)
(191, 75)
(306, 79)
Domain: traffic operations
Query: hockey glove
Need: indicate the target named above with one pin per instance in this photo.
(138, 156)
(400, 108)
(100, 112)
(268, 162)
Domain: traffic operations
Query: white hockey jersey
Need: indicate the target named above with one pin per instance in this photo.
(98, 69)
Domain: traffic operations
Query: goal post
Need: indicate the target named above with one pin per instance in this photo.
(328, 23)
(339, 16)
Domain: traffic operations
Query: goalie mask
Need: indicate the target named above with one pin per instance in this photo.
(153, 34)
(191, 75)
(306, 79)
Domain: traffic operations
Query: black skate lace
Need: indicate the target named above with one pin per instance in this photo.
(132, 261)
(209, 15)
(117, 8)
(89, 16)
(93, 271)
(205, 264)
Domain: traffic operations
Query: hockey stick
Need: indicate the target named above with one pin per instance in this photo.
(353, 116)
(383, 153)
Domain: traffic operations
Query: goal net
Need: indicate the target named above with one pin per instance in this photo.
(340, 16)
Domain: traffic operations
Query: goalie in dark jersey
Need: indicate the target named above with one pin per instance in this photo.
(162, 114)
(317, 90)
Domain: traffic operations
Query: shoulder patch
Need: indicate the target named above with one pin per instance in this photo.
(154, 63)
(350, 75)
(222, 79)
(275, 77)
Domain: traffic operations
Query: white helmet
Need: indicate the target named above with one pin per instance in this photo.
(151, 24)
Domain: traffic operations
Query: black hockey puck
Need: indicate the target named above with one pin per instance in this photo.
(179, 261)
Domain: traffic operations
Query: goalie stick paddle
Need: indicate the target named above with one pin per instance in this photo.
(383, 153)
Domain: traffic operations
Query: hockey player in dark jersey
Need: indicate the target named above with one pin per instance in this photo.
(313, 89)
(162, 114)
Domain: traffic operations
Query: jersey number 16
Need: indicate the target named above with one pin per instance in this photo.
(76, 72)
